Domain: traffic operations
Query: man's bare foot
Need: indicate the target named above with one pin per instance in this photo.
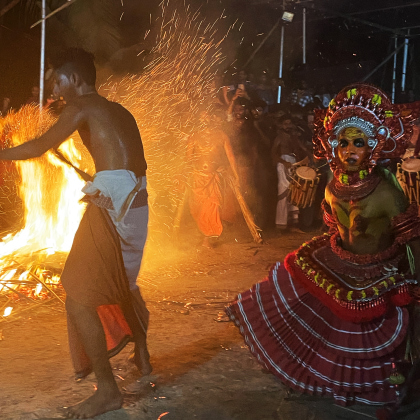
(100, 402)
(206, 243)
(209, 242)
(142, 360)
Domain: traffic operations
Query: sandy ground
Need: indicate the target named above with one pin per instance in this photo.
(204, 370)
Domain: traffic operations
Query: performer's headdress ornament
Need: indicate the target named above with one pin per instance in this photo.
(387, 126)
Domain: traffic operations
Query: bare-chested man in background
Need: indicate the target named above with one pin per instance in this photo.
(213, 161)
(103, 264)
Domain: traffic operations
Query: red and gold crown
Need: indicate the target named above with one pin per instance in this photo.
(387, 126)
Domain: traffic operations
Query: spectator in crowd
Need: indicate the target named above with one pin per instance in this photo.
(274, 84)
(300, 121)
(241, 98)
(240, 82)
(5, 106)
(34, 98)
(285, 150)
(264, 91)
(323, 96)
(305, 96)
(243, 79)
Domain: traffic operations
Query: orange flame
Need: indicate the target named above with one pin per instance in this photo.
(50, 191)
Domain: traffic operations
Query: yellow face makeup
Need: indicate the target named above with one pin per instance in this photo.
(352, 148)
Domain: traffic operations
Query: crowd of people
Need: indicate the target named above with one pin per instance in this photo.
(261, 140)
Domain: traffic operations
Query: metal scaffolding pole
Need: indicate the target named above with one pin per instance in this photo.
(281, 61)
(262, 43)
(404, 69)
(394, 72)
(304, 34)
(382, 63)
(42, 63)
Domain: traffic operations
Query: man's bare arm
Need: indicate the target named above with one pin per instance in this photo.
(66, 125)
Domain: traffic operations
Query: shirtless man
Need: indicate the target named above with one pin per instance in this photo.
(364, 227)
(111, 135)
(211, 198)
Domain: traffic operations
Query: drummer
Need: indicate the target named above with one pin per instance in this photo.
(287, 149)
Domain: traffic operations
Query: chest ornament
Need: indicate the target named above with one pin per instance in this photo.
(356, 190)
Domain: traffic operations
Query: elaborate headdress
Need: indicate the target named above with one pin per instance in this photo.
(387, 126)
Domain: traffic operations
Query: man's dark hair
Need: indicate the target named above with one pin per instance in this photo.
(76, 60)
(284, 118)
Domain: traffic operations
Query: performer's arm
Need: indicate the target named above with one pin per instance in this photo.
(65, 126)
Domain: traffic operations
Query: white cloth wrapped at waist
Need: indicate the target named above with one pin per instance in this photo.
(120, 185)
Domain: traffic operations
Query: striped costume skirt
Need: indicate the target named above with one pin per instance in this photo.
(299, 339)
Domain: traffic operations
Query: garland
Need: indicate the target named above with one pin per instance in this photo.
(350, 305)
(355, 190)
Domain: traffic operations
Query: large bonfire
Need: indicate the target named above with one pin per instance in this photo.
(39, 198)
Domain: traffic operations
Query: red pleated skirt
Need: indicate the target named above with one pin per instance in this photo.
(298, 339)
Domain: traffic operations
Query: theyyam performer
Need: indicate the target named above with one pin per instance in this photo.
(340, 316)
(105, 309)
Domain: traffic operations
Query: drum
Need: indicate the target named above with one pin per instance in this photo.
(303, 185)
(408, 175)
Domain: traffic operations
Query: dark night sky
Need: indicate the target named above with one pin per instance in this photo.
(339, 50)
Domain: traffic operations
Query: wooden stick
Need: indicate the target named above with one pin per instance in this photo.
(43, 283)
(18, 293)
(253, 228)
(69, 2)
(17, 312)
(6, 8)
(180, 210)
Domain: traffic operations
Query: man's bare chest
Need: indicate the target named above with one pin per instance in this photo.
(359, 217)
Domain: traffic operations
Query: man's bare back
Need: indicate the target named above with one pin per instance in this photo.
(109, 132)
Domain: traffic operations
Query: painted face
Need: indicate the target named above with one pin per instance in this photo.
(352, 148)
(63, 87)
